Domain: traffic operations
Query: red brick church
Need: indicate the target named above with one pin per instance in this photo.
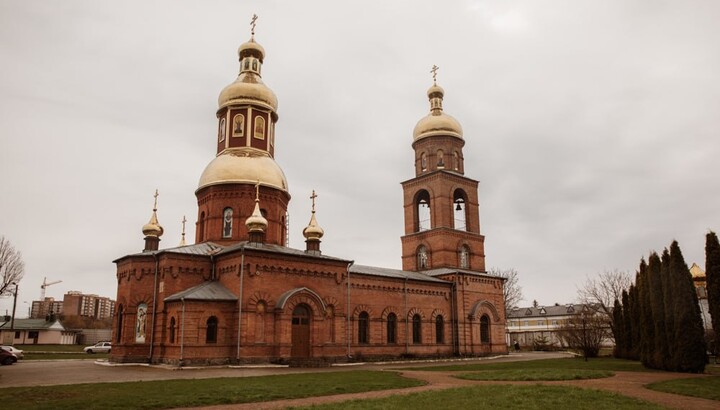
(239, 294)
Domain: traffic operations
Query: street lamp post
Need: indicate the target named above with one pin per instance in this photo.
(12, 318)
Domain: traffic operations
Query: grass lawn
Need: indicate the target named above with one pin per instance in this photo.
(704, 387)
(199, 392)
(51, 348)
(501, 397)
(536, 374)
(64, 356)
(570, 363)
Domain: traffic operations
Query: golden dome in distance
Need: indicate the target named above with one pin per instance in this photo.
(437, 122)
(248, 87)
(256, 222)
(313, 231)
(153, 227)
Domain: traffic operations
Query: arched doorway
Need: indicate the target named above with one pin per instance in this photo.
(301, 331)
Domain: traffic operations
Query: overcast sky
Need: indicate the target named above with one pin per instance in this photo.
(592, 126)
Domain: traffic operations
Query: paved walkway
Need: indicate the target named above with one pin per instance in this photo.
(626, 383)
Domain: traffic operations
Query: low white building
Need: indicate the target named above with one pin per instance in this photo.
(527, 325)
(35, 331)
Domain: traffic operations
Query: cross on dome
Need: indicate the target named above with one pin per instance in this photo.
(313, 196)
(434, 73)
(252, 25)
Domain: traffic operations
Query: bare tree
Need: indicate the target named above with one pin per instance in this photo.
(12, 267)
(512, 292)
(585, 332)
(602, 290)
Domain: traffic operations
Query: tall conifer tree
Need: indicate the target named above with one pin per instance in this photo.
(689, 353)
(636, 322)
(712, 275)
(647, 326)
(657, 307)
(668, 305)
(619, 326)
(627, 324)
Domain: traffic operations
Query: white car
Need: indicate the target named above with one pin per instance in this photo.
(99, 347)
(17, 352)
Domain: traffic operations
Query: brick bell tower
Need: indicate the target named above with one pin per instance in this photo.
(442, 218)
(245, 140)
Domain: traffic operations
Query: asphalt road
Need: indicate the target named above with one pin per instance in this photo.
(57, 372)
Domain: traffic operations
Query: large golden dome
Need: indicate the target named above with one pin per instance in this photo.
(437, 122)
(249, 87)
(243, 165)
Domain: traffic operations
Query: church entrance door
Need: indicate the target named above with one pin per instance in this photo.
(301, 332)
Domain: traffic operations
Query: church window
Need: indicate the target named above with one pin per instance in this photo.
(238, 125)
(363, 328)
(423, 162)
(259, 128)
(456, 161)
(485, 329)
(246, 64)
(141, 323)
(392, 328)
(422, 211)
(201, 227)
(171, 333)
(330, 313)
(212, 330)
(283, 231)
(227, 223)
(260, 322)
(221, 130)
(417, 329)
(254, 65)
(118, 336)
(439, 329)
(460, 210)
(422, 258)
(464, 257)
(440, 159)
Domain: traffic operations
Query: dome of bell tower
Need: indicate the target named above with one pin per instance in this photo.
(437, 122)
(248, 87)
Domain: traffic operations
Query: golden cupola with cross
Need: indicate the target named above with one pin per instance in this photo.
(442, 217)
(246, 120)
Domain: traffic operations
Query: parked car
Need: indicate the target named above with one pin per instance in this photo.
(99, 347)
(17, 352)
(7, 357)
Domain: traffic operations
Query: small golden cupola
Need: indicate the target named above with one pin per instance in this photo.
(313, 232)
(152, 230)
(256, 223)
(437, 122)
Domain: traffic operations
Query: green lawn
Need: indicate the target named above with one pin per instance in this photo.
(536, 374)
(64, 356)
(570, 363)
(51, 348)
(199, 392)
(704, 387)
(501, 397)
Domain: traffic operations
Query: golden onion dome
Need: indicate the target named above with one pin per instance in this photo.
(437, 122)
(243, 165)
(696, 271)
(153, 228)
(248, 87)
(256, 222)
(313, 231)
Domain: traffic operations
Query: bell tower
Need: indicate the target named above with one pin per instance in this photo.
(442, 217)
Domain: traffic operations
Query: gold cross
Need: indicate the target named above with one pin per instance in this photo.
(434, 72)
(252, 24)
(156, 195)
(183, 222)
(313, 196)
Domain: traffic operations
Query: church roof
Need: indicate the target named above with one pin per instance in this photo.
(449, 271)
(212, 290)
(393, 273)
(554, 310)
(33, 324)
(266, 247)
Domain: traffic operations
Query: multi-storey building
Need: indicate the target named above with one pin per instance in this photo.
(43, 308)
(76, 303)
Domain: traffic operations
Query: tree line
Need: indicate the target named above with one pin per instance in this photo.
(657, 320)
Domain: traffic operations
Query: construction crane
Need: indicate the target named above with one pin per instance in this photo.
(44, 285)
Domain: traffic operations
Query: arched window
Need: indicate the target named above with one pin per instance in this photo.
(417, 329)
(221, 130)
(440, 159)
(363, 324)
(171, 334)
(392, 328)
(330, 315)
(260, 322)
(485, 329)
(464, 257)
(423, 162)
(201, 227)
(259, 128)
(283, 231)
(456, 161)
(422, 211)
(439, 329)
(460, 210)
(238, 125)
(422, 258)
(227, 223)
(212, 330)
(118, 335)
